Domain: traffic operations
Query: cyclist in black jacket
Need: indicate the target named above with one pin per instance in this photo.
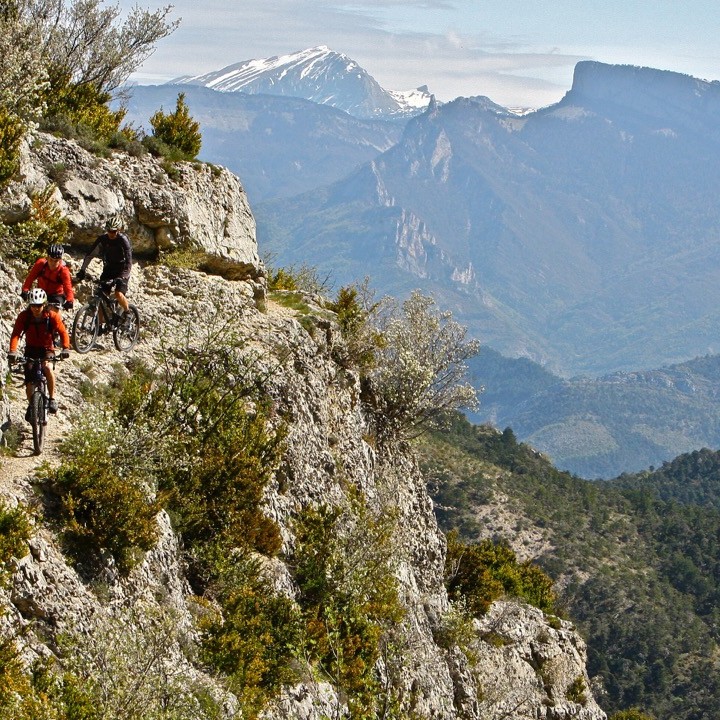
(116, 252)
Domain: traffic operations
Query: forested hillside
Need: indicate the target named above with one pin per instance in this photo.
(691, 479)
(601, 427)
(638, 570)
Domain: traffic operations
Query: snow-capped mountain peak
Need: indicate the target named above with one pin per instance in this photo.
(318, 74)
(416, 100)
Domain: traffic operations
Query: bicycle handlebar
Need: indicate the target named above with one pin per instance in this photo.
(105, 283)
(22, 360)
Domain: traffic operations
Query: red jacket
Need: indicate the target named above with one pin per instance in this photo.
(39, 334)
(53, 282)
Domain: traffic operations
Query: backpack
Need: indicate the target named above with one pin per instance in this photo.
(28, 321)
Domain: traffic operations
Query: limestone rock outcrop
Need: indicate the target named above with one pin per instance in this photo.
(164, 206)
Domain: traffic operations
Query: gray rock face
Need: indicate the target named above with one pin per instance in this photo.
(527, 668)
(327, 452)
(183, 205)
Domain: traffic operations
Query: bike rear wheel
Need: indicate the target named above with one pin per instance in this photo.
(38, 420)
(127, 331)
(85, 329)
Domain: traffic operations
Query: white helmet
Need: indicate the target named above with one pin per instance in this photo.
(37, 297)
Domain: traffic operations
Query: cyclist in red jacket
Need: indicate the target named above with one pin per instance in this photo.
(39, 324)
(53, 276)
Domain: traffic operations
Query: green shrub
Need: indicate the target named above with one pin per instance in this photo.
(577, 692)
(15, 530)
(484, 572)
(178, 130)
(128, 140)
(218, 450)
(207, 423)
(221, 492)
(354, 308)
(39, 692)
(632, 714)
(155, 146)
(456, 629)
(104, 499)
(343, 565)
(30, 238)
(281, 279)
(119, 671)
(82, 107)
(304, 278)
(255, 638)
(123, 669)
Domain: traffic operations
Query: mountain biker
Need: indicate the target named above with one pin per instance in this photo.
(116, 252)
(52, 276)
(39, 323)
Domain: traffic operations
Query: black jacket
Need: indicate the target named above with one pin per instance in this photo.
(116, 255)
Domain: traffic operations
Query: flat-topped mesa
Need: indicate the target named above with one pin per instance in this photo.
(642, 88)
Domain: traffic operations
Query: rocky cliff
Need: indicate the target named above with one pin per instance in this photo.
(516, 664)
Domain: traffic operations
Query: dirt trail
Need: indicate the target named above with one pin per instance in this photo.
(18, 466)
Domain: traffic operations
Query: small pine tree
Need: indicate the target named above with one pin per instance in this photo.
(178, 129)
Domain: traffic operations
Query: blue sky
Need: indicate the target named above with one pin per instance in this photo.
(517, 52)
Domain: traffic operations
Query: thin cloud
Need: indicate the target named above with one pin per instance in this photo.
(452, 59)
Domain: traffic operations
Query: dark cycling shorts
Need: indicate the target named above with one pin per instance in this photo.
(120, 284)
(35, 352)
(56, 299)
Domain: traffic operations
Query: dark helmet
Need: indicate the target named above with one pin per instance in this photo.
(56, 251)
(113, 223)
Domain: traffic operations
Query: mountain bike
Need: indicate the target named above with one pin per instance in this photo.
(37, 414)
(101, 315)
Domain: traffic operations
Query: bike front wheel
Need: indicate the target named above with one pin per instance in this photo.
(85, 329)
(38, 420)
(127, 332)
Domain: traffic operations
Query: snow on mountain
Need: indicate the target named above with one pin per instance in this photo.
(318, 74)
(413, 100)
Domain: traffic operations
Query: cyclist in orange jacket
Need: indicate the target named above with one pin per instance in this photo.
(39, 323)
(52, 276)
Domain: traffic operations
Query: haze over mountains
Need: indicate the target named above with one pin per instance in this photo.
(584, 236)
(602, 427)
(278, 146)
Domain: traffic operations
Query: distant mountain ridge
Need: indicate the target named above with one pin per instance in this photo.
(318, 74)
(602, 427)
(584, 235)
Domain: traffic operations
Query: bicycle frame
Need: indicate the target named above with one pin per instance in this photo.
(107, 305)
(38, 397)
(101, 314)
